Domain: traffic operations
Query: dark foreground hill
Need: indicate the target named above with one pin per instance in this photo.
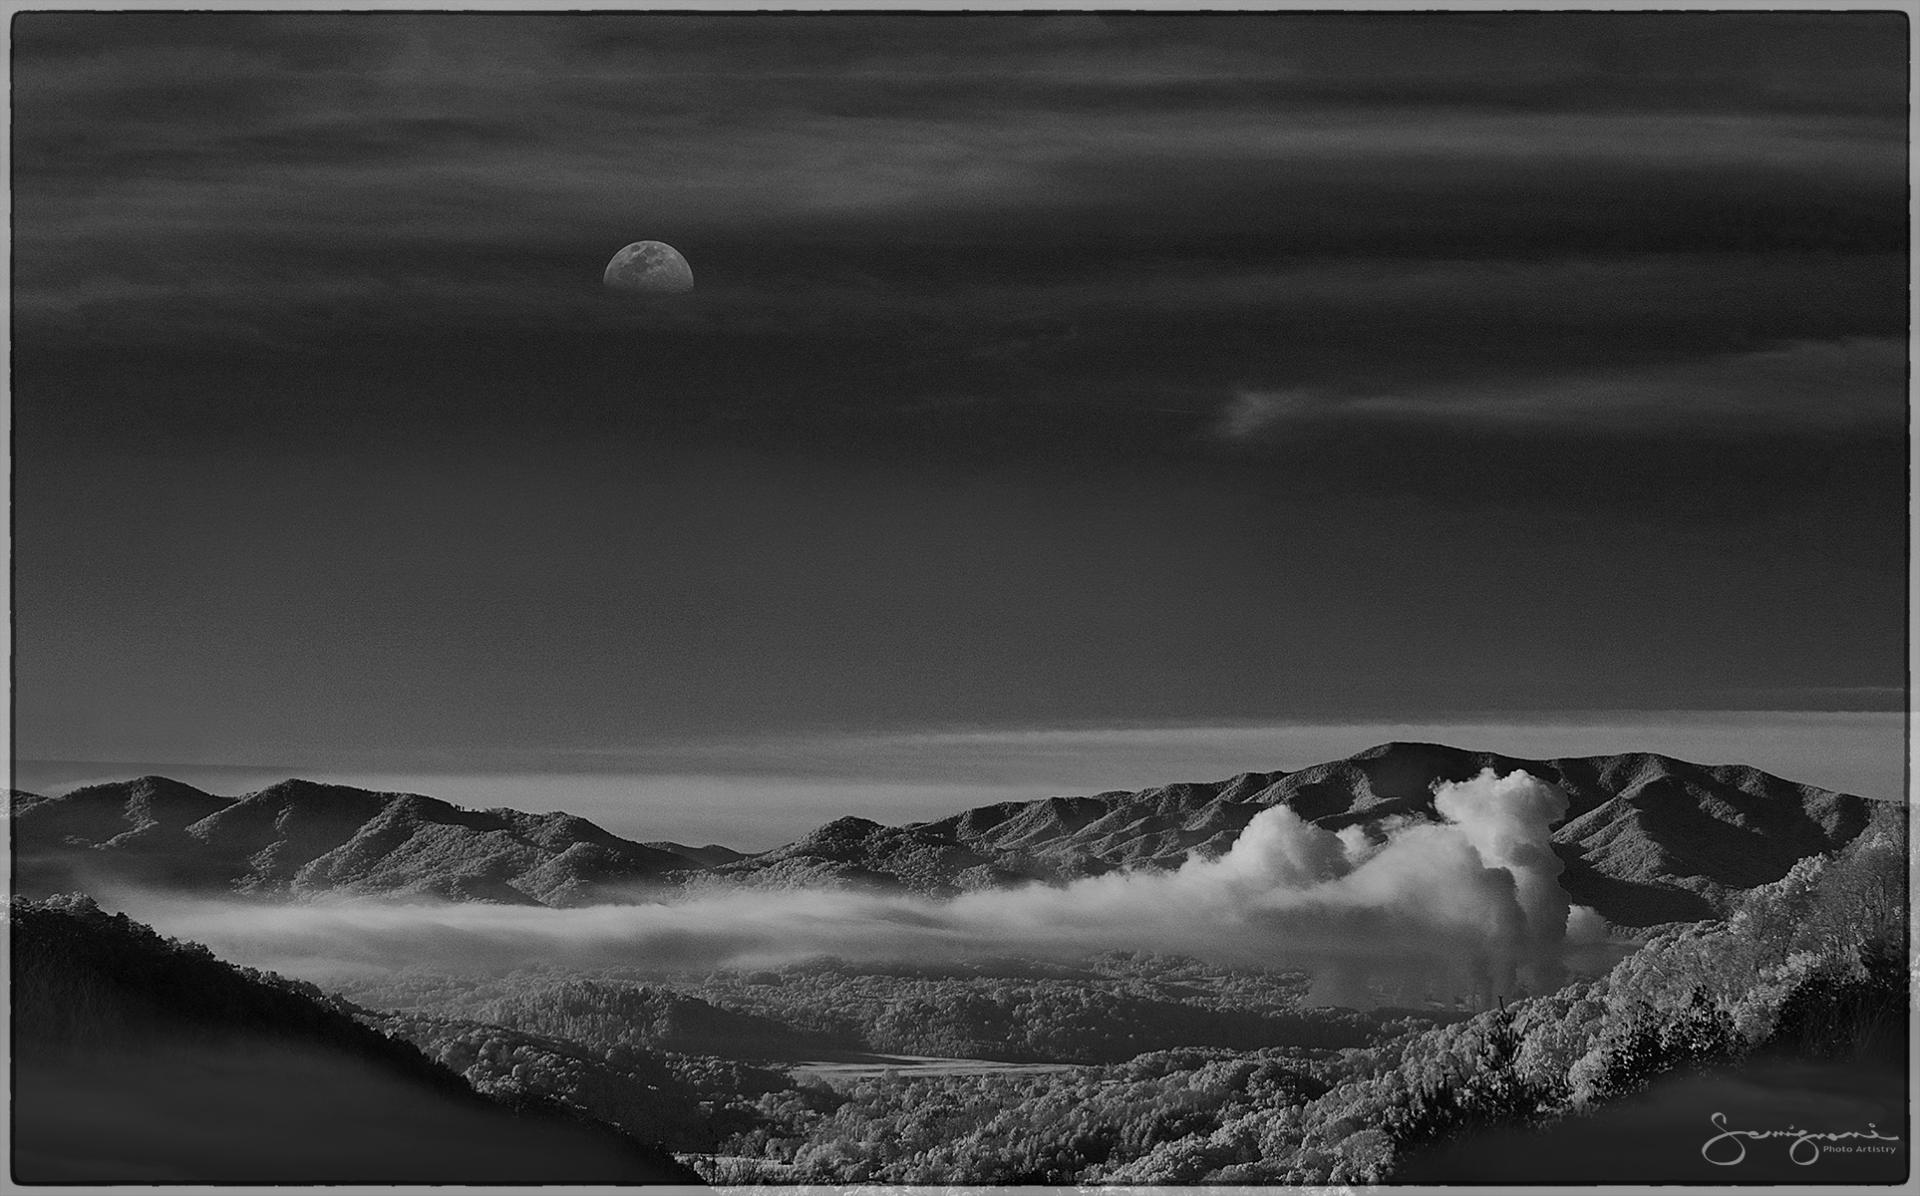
(1647, 840)
(141, 1060)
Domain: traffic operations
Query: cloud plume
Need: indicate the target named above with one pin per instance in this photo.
(1469, 904)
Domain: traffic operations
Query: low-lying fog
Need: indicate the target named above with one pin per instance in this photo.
(1468, 905)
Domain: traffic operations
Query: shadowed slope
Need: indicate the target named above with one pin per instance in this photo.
(141, 1060)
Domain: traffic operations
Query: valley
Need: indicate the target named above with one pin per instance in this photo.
(1057, 1058)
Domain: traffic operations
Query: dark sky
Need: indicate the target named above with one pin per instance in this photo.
(1040, 371)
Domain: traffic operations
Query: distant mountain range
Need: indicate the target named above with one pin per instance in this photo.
(1647, 840)
(299, 838)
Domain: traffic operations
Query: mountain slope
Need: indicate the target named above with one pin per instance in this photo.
(1647, 839)
(298, 838)
(141, 1060)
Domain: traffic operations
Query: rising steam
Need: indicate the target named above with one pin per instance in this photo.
(1467, 905)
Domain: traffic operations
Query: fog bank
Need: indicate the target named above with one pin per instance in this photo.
(1468, 904)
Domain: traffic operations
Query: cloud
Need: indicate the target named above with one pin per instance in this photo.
(995, 237)
(210, 149)
(1251, 412)
(1471, 899)
(1834, 385)
(1852, 385)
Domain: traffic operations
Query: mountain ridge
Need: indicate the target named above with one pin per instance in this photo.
(299, 838)
(1647, 838)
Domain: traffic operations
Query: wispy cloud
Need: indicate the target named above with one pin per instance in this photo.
(1840, 386)
(1332, 333)
(1251, 413)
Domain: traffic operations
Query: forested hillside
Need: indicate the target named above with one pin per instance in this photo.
(141, 1059)
(1112, 1007)
(1812, 965)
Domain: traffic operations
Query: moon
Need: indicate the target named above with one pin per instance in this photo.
(649, 268)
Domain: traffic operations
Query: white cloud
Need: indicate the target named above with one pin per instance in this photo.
(1472, 900)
